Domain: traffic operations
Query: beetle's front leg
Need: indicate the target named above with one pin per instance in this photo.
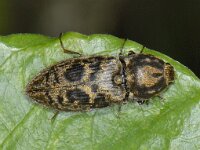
(66, 50)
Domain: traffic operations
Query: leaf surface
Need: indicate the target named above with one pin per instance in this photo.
(169, 123)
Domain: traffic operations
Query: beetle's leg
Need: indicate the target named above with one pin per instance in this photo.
(54, 116)
(141, 51)
(66, 50)
(121, 53)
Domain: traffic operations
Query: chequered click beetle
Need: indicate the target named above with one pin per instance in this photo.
(84, 83)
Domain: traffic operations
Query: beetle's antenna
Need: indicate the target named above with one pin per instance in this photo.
(122, 48)
(66, 50)
(142, 49)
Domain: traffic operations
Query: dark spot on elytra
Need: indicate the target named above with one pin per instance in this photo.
(95, 67)
(60, 99)
(77, 95)
(74, 73)
(100, 101)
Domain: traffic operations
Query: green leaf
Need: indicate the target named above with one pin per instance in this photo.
(169, 123)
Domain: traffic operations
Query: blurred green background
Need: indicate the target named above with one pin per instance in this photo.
(171, 27)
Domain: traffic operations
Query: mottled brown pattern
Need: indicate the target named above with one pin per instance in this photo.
(71, 87)
(95, 82)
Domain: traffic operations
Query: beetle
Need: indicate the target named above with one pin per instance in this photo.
(84, 83)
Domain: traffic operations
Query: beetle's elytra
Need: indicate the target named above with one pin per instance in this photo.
(94, 82)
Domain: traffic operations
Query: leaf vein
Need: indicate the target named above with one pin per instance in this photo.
(23, 120)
